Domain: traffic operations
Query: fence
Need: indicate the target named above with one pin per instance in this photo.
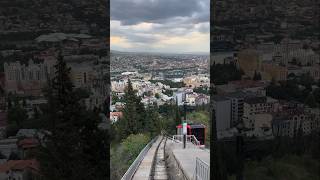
(202, 171)
(190, 138)
(134, 166)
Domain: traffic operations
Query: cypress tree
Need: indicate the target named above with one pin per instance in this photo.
(142, 121)
(311, 101)
(256, 76)
(75, 148)
(17, 114)
(129, 123)
(153, 120)
(177, 114)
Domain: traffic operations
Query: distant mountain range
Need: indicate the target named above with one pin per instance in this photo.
(159, 53)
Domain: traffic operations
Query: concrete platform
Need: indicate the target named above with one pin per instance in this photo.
(186, 158)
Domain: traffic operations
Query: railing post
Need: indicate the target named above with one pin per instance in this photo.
(197, 169)
(202, 171)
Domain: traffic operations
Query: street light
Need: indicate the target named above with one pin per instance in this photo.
(184, 125)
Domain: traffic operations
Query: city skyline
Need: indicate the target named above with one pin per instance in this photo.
(160, 26)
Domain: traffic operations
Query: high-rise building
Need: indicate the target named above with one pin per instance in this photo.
(222, 109)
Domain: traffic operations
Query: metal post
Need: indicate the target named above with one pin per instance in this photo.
(184, 141)
(240, 168)
(185, 126)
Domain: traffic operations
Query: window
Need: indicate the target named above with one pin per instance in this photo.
(85, 77)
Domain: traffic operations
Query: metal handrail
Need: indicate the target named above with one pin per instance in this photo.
(168, 136)
(191, 138)
(196, 142)
(134, 166)
(202, 171)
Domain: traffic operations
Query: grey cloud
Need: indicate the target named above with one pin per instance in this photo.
(204, 28)
(130, 12)
(135, 38)
(169, 18)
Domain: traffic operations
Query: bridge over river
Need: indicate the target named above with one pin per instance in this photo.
(164, 158)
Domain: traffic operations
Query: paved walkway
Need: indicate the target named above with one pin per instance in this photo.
(186, 158)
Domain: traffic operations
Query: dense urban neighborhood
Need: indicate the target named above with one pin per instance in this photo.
(162, 84)
(265, 82)
(52, 54)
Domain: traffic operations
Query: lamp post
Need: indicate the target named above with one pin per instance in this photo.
(184, 126)
(240, 167)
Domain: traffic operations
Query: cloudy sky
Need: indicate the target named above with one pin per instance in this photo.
(172, 26)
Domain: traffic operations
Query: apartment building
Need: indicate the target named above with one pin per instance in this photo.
(222, 110)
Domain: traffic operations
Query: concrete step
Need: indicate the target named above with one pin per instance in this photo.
(160, 177)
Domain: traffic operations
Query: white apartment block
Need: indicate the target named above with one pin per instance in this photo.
(255, 106)
(287, 51)
(290, 125)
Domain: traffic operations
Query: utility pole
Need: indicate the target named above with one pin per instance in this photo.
(184, 126)
(240, 154)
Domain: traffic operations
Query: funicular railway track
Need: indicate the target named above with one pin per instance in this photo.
(158, 160)
(159, 169)
(150, 163)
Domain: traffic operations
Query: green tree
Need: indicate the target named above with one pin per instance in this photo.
(223, 73)
(316, 94)
(123, 154)
(115, 98)
(24, 102)
(307, 81)
(177, 114)
(75, 148)
(168, 92)
(13, 156)
(311, 101)
(140, 116)
(202, 90)
(256, 76)
(17, 114)
(9, 102)
(2, 156)
(130, 122)
(153, 120)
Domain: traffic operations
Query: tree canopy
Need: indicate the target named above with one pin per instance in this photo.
(75, 148)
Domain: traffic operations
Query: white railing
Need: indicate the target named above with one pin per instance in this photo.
(202, 171)
(134, 166)
(190, 138)
(194, 140)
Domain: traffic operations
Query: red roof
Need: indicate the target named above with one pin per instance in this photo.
(119, 114)
(28, 143)
(20, 165)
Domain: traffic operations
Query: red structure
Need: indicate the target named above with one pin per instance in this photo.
(198, 130)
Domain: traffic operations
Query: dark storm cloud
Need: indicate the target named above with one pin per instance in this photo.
(130, 12)
(160, 25)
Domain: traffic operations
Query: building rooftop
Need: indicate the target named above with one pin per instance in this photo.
(256, 100)
(19, 165)
(219, 98)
